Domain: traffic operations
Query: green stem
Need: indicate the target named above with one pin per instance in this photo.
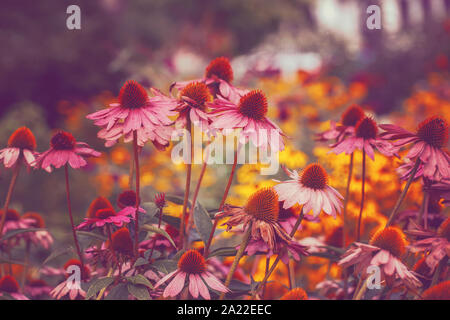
(358, 232)
(9, 196)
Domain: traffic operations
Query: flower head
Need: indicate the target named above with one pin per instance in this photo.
(136, 112)
(351, 116)
(160, 200)
(428, 145)
(311, 190)
(40, 237)
(247, 111)
(440, 291)
(220, 68)
(64, 149)
(10, 286)
(97, 204)
(21, 146)
(122, 243)
(191, 265)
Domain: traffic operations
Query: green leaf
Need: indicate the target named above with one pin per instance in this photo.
(150, 228)
(119, 292)
(57, 253)
(140, 279)
(165, 266)
(98, 285)
(139, 292)
(140, 262)
(202, 222)
(15, 232)
(92, 235)
(150, 208)
(173, 221)
(224, 252)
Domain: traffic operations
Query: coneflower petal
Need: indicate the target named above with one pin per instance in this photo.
(204, 292)
(193, 288)
(176, 285)
(214, 283)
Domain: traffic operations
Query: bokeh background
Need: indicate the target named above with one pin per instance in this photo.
(312, 58)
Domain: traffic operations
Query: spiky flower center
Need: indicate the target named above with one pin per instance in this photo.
(314, 176)
(221, 68)
(192, 262)
(444, 229)
(295, 294)
(97, 204)
(126, 199)
(9, 284)
(366, 128)
(11, 215)
(105, 213)
(63, 141)
(22, 138)
(253, 105)
(38, 220)
(132, 95)
(434, 131)
(196, 94)
(160, 200)
(390, 239)
(263, 205)
(352, 115)
(121, 242)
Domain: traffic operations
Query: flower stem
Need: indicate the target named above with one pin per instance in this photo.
(422, 219)
(222, 203)
(138, 196)
(154, 240)
(9, 196)
(358, 232)
(237, 258)
(403, 194)
(194, 200)
(188, 185)
(69, 205)
(347, 195)
(291, 271)
(274, 265)
(361, 289)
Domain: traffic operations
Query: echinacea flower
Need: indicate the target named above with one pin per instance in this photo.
(261, 212)
(122, 243)
(64, 149)
(14, 221)
(365, 138)
(429, 143)
(192, 266)
(295, 294)
(10, 286)
(311, 190)
(160, 242)
(218, 78)
(435, 245)
(97, 204)
(21, 147)
(71, 288)
(40, 237)
(107, 216)
(440, 291)
(136, 112)
(247, 112)
(346, 127)
(385, 250)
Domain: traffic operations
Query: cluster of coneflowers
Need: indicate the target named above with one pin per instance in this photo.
(139, 254)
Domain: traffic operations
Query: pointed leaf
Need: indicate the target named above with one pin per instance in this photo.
(98, 285)
(202, 222)
(150, 228)
(139, 292)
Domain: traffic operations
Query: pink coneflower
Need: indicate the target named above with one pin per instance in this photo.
(10, 286)
(191, 265)
(41, 237)
(66, 151)
(72, 289)
(107, 216)
(126, 201)
(13, 220)
(365, 138)
(428, 142)
(311, 190)
(21, 146)
(138, 113)
(436, 245)
(161, 243)
(261, 214)
(385, 250)
(121, 242)
(248, 113)
(349, 119)
(218, 78)
(97, 204)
